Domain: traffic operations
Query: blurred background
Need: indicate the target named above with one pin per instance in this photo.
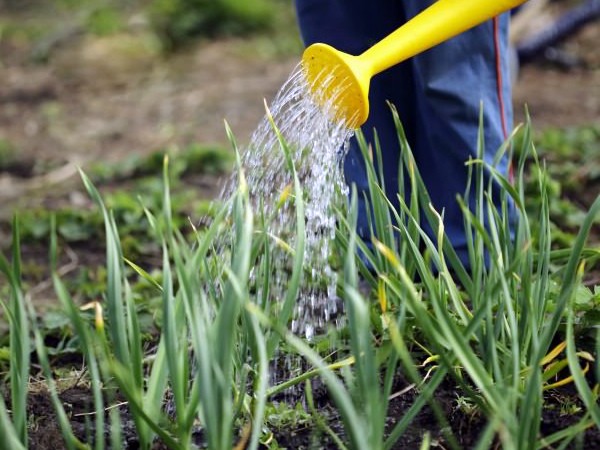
(84, 80)
(112, 85)
(90, 80)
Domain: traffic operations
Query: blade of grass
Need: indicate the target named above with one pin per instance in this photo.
(570, 276)
(261, 384)
(589, 398)
(565, 435)
(71, 442)
(177, 375)
(114, 291)
(19, 336)
(293, 286)
(87, 347)
(350, 416)
(7, 429)
(319, 418)
(125, 336)
(136, 404)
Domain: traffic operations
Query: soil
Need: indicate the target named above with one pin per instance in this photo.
(58, 117)
(466, 424)
(94, 101)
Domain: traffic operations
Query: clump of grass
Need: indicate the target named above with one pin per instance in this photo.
(492, 327)
(19, 348)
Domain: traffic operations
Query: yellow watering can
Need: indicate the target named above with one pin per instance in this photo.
(344, 79)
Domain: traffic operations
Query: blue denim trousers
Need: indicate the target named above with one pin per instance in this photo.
(438, 94)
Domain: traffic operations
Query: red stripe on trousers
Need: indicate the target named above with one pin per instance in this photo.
(499, 90)
(499, 75)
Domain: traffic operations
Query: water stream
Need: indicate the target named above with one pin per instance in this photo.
(317, 146)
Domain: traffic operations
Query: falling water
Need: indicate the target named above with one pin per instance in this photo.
(317, 145)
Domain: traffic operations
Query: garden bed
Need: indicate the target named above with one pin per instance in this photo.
(56, 116)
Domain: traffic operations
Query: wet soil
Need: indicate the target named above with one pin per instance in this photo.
(465, 422)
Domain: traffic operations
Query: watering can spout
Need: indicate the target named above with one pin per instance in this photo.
(339, 80)
(342, 81)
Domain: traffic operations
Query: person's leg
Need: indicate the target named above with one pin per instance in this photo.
(437, 94)
(353, 26)
(454, 80)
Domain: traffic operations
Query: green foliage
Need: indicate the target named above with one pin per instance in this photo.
(7, 152)
(571, 171)
(180, 20)
(19, 345)
(143, 190)
(491, 325)
(281, 417)
(572, 150)
(104, 21)
(198, 158)
(194, 159)
(489, 328)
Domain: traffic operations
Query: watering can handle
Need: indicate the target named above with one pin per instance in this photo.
(441, 21)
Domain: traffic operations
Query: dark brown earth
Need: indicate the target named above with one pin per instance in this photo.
(466, 424)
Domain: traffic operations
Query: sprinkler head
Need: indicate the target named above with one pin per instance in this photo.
(340, 80)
